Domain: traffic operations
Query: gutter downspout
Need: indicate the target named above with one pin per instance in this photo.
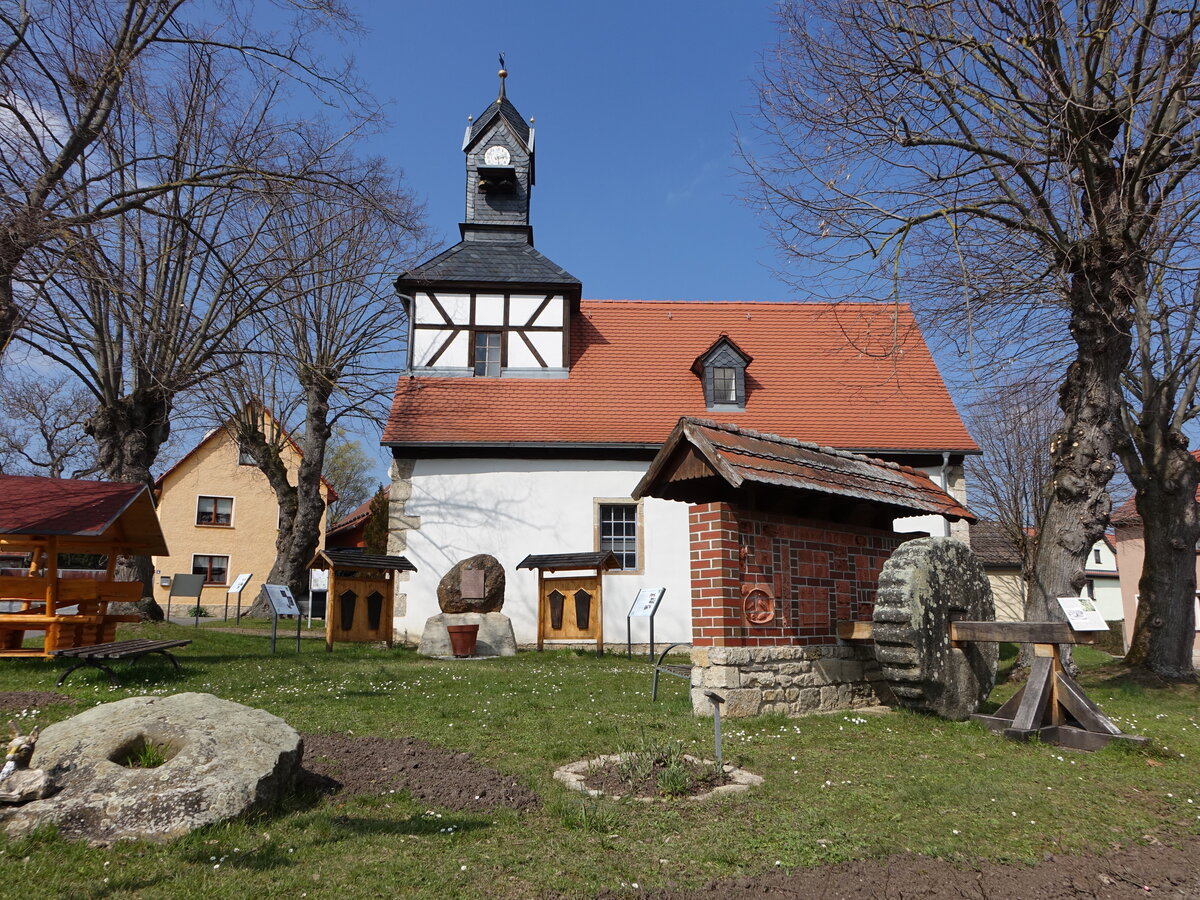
(945, 480)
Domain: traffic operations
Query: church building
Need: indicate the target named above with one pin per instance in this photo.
(528, 414)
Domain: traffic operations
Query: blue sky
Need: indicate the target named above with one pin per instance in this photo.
(635, 107)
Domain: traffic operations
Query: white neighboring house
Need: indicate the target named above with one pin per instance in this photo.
(1103, 580)
(528, 414)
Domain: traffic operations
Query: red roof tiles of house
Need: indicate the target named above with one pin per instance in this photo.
(849, 375)
(347, 523)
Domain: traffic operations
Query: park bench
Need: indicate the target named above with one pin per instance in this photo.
(679, 670)
(132, 650)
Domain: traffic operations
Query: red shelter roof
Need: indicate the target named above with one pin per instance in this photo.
(701, 459)
(89, 512)
(849, 375)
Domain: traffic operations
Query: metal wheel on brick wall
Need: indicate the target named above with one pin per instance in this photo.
(925, 585)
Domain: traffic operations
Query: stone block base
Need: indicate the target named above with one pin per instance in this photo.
(496, 636)
(794, 681)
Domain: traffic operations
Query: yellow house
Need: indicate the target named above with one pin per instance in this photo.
(220, 519)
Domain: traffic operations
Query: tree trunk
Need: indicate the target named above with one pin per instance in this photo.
(291, 563)
(128, 435)
(1164, 628)
(1103, 284)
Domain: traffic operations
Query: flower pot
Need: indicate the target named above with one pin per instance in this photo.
(462, 639)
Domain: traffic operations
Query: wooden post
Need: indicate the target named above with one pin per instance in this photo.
(600, 611)
(329, 595)
(541, 619)
(52, 576)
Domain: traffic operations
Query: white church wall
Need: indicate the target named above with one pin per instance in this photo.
(512, 508)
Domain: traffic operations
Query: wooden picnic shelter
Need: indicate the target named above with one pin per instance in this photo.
(46, 517)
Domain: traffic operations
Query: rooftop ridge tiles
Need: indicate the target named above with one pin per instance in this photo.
(805, 445)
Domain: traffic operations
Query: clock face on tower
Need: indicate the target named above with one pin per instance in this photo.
(496, 156)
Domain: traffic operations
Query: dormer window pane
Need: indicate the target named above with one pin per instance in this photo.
(724, 384)
(487, 353)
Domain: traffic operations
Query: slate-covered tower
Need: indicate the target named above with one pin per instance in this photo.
(492, 305)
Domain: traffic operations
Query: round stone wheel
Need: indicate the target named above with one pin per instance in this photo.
(926, 584)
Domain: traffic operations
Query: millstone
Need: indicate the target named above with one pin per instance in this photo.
(222, 759)
(925, 585)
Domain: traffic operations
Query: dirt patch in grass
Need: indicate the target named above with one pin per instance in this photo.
(658, 777)
(1156, 870)
(31, 699)
(348, 766)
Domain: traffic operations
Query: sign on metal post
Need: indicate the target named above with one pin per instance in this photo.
(282, 604)
(645, 605)
(1082, 614)
(239, 585)
(318, 583)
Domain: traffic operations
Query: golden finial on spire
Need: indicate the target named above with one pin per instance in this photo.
(503, 73)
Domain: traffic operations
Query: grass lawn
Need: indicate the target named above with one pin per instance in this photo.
(837, 787)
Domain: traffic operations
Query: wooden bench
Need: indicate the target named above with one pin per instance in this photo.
(131, 650)
(677, 669)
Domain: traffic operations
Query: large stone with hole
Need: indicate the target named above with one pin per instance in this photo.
(222, 760)
(926, 584)
(474, 585)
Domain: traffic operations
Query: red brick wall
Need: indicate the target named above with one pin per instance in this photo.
(820, 574)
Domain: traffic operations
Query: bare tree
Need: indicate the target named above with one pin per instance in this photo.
(43, 428)
(146, 306)
(1161, 401)
(1024, 163)
(329, 348)
(1010, 483)
(68, 69)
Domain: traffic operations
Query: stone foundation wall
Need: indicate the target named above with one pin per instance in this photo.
(793, 680)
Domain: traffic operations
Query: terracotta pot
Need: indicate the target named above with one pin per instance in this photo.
(462, 639)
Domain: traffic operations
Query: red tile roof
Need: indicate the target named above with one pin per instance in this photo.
(90, 510)
(821, 372)
(737, 456)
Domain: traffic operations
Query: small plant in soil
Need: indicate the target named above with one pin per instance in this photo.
(651, 767)
(199, 612)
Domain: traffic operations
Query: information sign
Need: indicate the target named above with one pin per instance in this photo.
(281, 600)
(282, 604)
(239, 583)
(1082, 614)
(645, 605)
(318, 579)
(646, 602)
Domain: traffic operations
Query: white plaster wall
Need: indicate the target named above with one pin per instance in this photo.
(512, 508)
(549, 344)
(519, 355)
(489, 309)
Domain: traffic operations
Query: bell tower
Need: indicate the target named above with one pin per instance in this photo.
(499, 155)
(492, 306)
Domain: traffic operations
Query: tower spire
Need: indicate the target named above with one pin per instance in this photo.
(503, 73)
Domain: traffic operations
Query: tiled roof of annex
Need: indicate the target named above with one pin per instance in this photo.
(855, 376)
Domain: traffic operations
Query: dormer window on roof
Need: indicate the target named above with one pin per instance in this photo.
(722, 369)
